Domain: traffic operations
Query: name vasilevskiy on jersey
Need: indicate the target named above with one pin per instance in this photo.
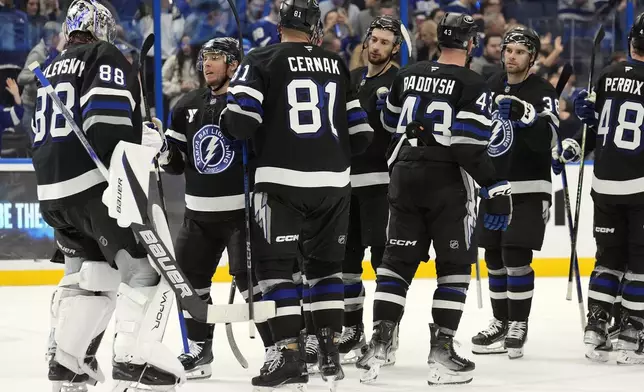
(67, 66)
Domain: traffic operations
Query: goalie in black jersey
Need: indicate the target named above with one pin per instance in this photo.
(214, 195)
(441, 111)
(614, 113)
(106, 269)
(525, 127)
(292, 100)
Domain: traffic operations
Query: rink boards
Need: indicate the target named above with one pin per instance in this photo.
(552, 260)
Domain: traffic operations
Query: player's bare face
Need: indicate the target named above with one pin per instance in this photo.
(517, 58)
(214, 68)
(380, 46)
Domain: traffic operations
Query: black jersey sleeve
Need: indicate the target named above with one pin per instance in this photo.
(244, 112)
(177, 140)
(360, 132)
(391, 112)
(542, 135)
(110, 101)
(470, 133)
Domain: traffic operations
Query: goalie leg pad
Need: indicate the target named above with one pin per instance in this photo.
(141, 318)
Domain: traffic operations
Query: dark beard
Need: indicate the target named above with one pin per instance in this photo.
(381, 61)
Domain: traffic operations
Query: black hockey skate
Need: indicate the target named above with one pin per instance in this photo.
(351, 343)
(596, 339)
(630, 344)
(310, 352)
(375, 354)
(445, 366)
(197, 361)
(329, 357)
(130, 377)
(63, 379)
(516, 338)
(491, 340)
(286, 368)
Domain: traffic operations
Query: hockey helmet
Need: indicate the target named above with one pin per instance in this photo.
(92, 17)
(227, 46)
(636, 35)
(385, 23)
(524, 36)
(455, 31)
(301, 15)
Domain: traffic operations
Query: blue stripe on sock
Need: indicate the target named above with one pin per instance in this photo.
(282, 294)
(321, 289)
(633, 290)
(604, 282)
(498, 282)
(520, 280)
(353, 288)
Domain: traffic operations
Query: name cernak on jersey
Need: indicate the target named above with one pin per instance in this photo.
(425, 84)
(314, 64)
(624, 85)
(67, 66)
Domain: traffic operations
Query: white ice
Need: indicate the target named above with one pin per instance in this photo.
(554, 359)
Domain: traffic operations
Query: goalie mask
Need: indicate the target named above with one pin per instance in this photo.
(91, 17)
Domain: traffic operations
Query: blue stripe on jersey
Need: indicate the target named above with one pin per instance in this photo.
(248, 103)
(356, 117)
(472, 129)
(391, 120)
(106, 105)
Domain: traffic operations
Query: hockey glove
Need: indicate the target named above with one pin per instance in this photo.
(381, 98)
(498, 212)
(557, 165)
(585, 108)
(571, 151)
(153, 135)
(521, 113)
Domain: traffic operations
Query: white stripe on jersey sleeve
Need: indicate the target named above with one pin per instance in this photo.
(102, 119)
(176, 135)
(70, 187)
(392, 108)
(364, 127)
(302, 179)
(355, 104)
(382, 121)
(465, 115)
(465, 140)
(247, 90)
(550, 116)
(105, 91)
(233, 107)
(215, 204)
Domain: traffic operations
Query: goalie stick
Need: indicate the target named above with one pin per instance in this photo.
(158, 252)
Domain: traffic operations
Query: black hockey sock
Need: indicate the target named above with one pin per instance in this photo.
(353, 299)
(633, 298)
(498, 283)
(286, 323)
(390, 297)
(377, 252)
(616, 311)
(520, 289)
(603, 288)
(449, 297)
(199, 332)
(327, 302)
(306, 309)
(263, 328)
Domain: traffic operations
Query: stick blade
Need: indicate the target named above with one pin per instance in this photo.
(147, 44)
(599, 36)
(237, 313)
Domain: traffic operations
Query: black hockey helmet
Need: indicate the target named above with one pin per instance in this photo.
(301, 15)
(455, 31)
(227, 46)
(524, 36)
(636, 35)
(385, 23)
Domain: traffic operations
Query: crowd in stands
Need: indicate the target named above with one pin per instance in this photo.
(31, 31)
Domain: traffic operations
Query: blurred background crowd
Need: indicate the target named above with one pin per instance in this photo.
(30, 31)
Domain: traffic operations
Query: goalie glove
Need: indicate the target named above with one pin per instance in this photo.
(498, 211)
(153, 136)
(521, 113)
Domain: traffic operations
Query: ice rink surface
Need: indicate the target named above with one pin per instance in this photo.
(554, 359)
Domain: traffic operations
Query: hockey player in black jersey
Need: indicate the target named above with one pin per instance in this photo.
(615, 115)
(292, 100)
(214, 196)
(106, 269)
(369, 210)
(526, 120)
(441, 110)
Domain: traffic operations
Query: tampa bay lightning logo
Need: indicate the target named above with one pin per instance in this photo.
(502, 136)
(212, 151)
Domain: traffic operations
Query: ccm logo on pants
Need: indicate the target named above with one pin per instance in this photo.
(287, 238)
(604, 230)
(402, 242)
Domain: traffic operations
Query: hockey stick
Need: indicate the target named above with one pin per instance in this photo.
(145, 48)
(249, 265)
(158, 253)
(229, 331)
(599, 36)
(479, 289)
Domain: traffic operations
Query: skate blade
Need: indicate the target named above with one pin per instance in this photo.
(312, 368)
(65, 386)
(351, 357)
(332, 382)
(201, 372)
(595, 354)
(494, 348)
(371, 375)
(297, 387)
(390, 360)
(440, 375)
(129, 386)
(628, 358)
(515, 353)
